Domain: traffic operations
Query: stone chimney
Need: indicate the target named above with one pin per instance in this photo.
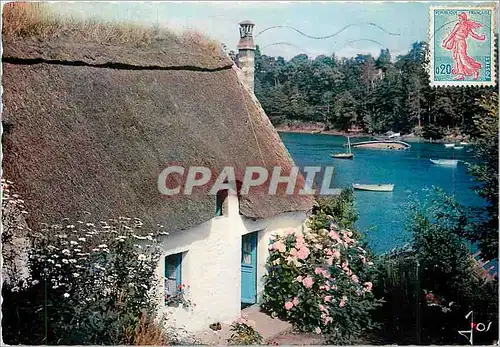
(246, 52)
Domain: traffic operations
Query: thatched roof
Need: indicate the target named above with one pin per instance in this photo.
(91, 126)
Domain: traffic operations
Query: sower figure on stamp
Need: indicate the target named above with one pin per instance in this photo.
(463, 65)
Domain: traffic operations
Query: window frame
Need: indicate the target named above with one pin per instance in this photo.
(175, 260)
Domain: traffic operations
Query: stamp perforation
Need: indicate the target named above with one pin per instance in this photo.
(493, 56)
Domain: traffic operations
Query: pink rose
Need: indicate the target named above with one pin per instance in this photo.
(329, 261)
(327, 320)
(322, 308)
(317, 330)
(343, 301)
(318, 271)
(295, 301)
(299, 278)
(328, 298)
(363, 259)
(355, 279)
(368, 286)
(334, 235)
(303, 253)
(336, 254)
(333, 287)
(293, 252)
(279, 246)
(329, 252)
(288, 305)
(308, 282)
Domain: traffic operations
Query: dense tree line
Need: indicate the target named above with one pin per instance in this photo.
(376, 94)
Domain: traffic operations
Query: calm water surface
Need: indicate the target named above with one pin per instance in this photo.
(382, 215)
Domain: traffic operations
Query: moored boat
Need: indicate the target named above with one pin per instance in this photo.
(459, 147)
(347, 155)
(445, 162)
(463, 143)
(383, 144)
(342, 155)
(374, 187)
(449, 145)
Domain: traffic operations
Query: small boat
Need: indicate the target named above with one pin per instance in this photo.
(347, 155)
(458, 147)
(342, 156)
(374, 187)
(383, 144)
(463, 143)
(394, 135)
(445, 162)
(449, 145)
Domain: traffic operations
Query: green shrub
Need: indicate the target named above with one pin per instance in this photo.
(244, 333)
(319, 279)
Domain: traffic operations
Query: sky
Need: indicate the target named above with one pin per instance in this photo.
(394, 25)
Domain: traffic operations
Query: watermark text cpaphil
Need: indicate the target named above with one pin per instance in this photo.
(311, 180)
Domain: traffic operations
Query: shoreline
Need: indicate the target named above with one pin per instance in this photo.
(407, 138)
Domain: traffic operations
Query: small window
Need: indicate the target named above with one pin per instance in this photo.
(219, 202)
(172, 274)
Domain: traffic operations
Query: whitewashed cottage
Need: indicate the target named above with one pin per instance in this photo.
(110, 119)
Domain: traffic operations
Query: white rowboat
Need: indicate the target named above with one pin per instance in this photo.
(449, 145)
(459, 147)
(374, 187)
(464, 143)
(445, 162)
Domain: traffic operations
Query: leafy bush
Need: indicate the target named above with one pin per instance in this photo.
(244, 333)
(88, 284)
(319, 278)
(431, 286)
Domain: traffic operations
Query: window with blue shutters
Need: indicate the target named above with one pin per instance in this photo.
(173, 279)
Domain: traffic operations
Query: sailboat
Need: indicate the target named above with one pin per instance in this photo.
(445, 162)
(347, 155)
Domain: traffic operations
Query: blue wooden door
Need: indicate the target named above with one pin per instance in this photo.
(249, 268)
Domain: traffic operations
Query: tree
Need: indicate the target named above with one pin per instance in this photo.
(486, 173)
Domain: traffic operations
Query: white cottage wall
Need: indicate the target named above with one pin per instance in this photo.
(211, 265)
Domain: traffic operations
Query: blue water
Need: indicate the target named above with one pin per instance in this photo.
(382, 215)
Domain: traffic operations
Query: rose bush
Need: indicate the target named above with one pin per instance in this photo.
(320, 279)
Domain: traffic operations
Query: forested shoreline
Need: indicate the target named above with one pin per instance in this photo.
(373, 95)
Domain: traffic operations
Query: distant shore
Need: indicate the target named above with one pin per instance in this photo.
(317, 130)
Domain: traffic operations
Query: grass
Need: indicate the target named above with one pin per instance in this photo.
(24, 20)
(148, 333)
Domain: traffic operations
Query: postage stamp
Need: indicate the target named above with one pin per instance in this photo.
(462, 45)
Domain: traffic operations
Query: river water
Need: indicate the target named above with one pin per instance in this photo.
(382, 215)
